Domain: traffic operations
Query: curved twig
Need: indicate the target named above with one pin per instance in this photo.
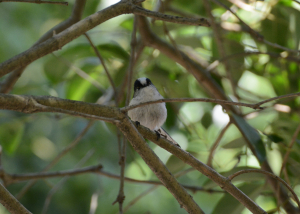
(269, 174)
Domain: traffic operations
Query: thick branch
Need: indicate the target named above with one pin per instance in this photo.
(186, 157)
(159, 169)
(61, 39)
(76, 15)
(11, 203)
(205, 80)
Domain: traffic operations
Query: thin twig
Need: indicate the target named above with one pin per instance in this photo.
(220, 44)
(37, 2)
(137, 10)
(269, 174)
(277, 98)
(63, 180)
(121, 196)
(216, 143)
(80, 72)
(254, 33)
(222, 102)
(102, 63)
(286, 156)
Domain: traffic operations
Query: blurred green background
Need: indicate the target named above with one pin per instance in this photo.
(30, 142)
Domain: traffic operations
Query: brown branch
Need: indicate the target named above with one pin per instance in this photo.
(215, 145)
(137, 10)
(286, 156)
(15, 178)
(254, 33)
(220, 44)
(122, 147)
(186, 157)
(174, 100)
(66, 36)
(205, 80)
(11, 203)
(277, 98)
(102, 100)
(37, 2)
(269, 174)
(221, 102)
(76, 15)
(159, 169)
(22, 103)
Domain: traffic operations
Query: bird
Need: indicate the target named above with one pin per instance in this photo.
(152, 116)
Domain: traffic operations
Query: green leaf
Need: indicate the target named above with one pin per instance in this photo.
(11, 136)
(113, 49)
(78, 87)
(228, 204)
(56, 68)
(275, 138)
(236, 143)
(252, 136)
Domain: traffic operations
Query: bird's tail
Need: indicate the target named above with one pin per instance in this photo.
(167, 136)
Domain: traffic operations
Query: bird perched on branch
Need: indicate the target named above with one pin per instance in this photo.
(152, 116)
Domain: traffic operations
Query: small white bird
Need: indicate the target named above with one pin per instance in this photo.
(152, 116)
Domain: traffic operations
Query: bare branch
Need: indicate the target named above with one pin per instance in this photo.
(66, 36)
(137, 10)
(215, 145)
(37, 2)
(76, 15)
(205, 80)
(11, 203)
(103, 64)
(102, 100)
(159, 169)
(186, 157)
(286, 156)
(269, 174)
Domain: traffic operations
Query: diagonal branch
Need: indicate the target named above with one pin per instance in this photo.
(76, 15)
(11, 203)
(204, 79)
(269, 174)
(68, 35)
(186, 157)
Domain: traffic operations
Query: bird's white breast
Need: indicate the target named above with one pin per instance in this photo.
(152, 116)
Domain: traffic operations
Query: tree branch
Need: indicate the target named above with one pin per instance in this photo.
(11, 203)
(76, 15)
(204, 79)
(269, 174)
(66, 36)
(186, 157)
(159, 169)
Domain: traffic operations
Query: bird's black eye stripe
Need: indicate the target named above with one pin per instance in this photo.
(148, 81)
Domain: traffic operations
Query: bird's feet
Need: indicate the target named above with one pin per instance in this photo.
(137, 123)
(157, 134)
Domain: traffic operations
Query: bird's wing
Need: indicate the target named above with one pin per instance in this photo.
(164, 134)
